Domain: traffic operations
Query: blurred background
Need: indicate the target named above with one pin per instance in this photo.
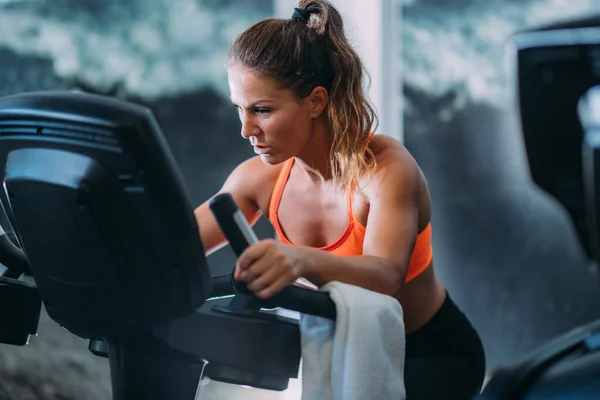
(506, 251)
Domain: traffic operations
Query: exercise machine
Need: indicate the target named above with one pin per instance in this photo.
(557, 78)
(103, 235)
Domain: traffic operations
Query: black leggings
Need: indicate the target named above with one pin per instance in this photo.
(444, 358)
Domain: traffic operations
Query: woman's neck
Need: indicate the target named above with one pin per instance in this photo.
(314, 161)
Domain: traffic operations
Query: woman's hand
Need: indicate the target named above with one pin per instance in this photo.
(268, 266)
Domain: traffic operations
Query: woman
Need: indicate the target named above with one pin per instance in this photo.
(346, 205)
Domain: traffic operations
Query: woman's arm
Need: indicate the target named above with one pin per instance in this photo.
(240, 184)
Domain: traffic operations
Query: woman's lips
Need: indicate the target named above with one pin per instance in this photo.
(261, 149)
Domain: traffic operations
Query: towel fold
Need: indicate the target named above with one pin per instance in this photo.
(360, 356)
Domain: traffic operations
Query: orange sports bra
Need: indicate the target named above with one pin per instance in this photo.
(351, 241)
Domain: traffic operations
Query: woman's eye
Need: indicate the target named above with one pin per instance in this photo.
(262, 110)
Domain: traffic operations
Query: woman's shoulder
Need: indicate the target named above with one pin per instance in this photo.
(390, 152)
(256, 173)
(258, 178)
(394, 165)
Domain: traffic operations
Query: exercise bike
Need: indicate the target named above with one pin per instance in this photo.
(105, 238)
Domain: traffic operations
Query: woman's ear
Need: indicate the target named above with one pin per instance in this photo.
(318, 99)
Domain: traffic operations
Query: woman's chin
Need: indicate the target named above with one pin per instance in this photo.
(272, 159)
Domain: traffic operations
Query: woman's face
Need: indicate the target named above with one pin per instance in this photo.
(277, 124)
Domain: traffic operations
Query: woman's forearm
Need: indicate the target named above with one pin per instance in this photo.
(370, 272)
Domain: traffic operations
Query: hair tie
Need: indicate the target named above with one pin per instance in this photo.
(301, 14)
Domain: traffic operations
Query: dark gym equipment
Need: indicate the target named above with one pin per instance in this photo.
(557, 71)
(554, 67)
(111, 247)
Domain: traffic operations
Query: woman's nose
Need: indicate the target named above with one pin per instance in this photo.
(249, 127)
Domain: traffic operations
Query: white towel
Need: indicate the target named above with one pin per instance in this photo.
(361, 355)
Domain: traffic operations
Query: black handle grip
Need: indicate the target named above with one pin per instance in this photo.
(306, 301)
(222, 286)
(234, 225)
(240, 235)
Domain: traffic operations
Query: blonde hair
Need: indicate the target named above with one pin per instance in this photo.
(301, 55)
